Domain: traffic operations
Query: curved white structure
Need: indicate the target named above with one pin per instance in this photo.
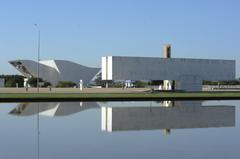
(54, 71)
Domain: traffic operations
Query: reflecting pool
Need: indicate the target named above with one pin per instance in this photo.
(146, 129)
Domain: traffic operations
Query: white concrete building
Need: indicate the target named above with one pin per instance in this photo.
(54, 71)
(176, 73)
(188, 74)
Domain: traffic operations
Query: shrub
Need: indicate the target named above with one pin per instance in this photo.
(66, 84)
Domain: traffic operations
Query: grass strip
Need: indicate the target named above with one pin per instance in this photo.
(117, 96)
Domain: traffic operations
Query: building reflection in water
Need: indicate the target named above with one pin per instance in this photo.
(52, 109)
(134, 116)
(169, 115)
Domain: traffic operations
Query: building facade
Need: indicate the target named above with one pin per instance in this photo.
(187, 74)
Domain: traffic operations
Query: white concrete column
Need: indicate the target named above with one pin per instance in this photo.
(168, 85)
(81, 85)
(25, 84)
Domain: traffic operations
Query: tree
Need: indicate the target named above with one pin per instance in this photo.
(156, 82)
(46, 84)
(13, 80)
(140, 84)
(33, 82)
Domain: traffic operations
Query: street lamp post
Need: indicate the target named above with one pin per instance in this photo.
(38, 55)
(38, 59)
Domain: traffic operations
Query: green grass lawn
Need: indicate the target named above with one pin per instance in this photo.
(117, 96)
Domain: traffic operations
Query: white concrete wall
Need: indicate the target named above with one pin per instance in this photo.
(106, 67)
(150, 68)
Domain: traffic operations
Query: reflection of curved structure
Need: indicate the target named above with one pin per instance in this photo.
(54, 71)
(52, 109)
(176, 117)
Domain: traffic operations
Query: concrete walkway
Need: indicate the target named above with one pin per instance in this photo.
(74, 90)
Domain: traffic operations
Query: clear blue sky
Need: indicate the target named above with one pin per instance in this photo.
(83, 31)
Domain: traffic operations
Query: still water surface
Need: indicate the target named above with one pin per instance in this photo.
(142, 130)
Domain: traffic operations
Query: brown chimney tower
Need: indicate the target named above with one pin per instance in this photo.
(167, 51)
